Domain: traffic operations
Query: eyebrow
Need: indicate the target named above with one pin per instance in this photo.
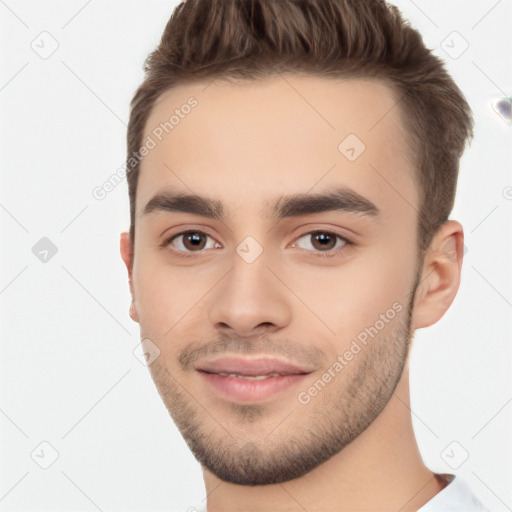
(294, 205)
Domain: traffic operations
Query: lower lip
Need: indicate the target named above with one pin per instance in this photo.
(244, 390)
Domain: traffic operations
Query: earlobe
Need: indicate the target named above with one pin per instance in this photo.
(126, 250)
(134, 315)
(440, 278)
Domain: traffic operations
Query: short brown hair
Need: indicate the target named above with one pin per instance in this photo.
(252, 39)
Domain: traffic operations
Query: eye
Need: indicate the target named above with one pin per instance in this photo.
(189, 242)
(324, 243)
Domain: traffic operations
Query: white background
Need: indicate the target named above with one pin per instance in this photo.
(68, 374)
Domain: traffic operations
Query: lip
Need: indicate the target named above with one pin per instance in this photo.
(252, 367)
(241, 389)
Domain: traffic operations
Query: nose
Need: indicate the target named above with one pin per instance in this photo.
(249, 301)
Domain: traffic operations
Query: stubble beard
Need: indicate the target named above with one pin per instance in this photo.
(311, 434)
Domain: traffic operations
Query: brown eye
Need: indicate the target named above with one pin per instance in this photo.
(193, 241)
(324, 243)
(322, 240)
(189, 242)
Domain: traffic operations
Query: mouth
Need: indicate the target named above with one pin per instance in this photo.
(248, 380)
(247, 377)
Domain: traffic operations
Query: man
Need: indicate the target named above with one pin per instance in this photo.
(292, 165)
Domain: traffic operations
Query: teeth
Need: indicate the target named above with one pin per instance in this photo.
(250, 377)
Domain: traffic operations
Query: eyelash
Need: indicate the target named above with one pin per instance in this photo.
(321, 254)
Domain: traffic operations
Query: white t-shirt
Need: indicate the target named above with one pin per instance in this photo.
(455, 497)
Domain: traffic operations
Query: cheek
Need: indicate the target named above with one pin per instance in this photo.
(351, 297)
(169, 298)
(158, 292)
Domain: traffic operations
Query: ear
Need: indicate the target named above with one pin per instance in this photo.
(440, 277)
(126, 249)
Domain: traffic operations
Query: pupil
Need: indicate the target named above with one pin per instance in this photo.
(194, 239)
(323, 238)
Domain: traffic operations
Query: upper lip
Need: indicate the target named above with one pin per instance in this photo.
(251, 367)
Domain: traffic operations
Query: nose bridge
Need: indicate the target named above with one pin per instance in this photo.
(250, 294)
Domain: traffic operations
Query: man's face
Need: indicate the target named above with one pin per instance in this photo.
(255, 297)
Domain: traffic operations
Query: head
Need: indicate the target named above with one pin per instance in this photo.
(320, 126)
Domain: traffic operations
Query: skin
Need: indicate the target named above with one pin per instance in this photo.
(246, 144)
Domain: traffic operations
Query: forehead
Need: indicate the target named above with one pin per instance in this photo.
(243, 142)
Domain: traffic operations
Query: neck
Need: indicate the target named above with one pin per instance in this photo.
(381, 469)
